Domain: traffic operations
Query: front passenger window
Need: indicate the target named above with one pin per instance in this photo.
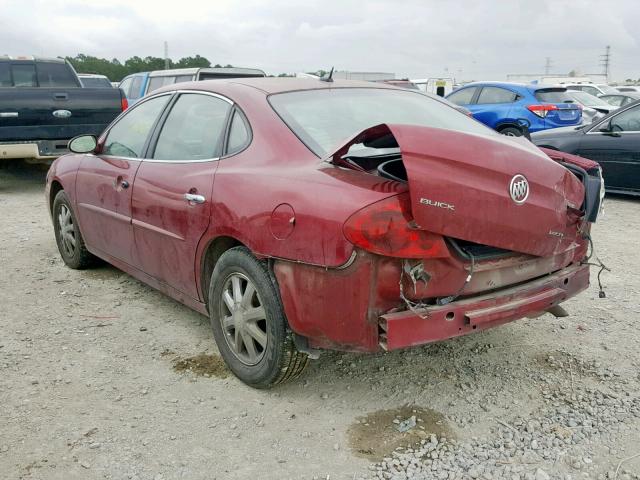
(127, 137)
(627, 121)
(194, 128)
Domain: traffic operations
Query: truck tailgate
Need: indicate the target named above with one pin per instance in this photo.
(56, 113)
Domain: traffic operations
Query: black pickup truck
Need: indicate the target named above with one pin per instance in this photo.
(43, 105)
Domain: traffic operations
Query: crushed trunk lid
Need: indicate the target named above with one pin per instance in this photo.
(491, 190)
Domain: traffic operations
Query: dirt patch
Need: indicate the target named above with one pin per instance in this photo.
(377, 434)
(202, 365)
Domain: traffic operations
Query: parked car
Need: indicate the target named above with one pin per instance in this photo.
(138, 85)
(345, 215)
(613, 141)
(91, 80)
(514, 108)
(621, 99)
(43, 105)
(628, 88)
(134, 86)
(590, 88)
(593, 108)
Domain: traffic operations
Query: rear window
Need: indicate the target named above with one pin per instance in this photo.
(24, 75)
(553, 95)
(95, 82)
(52, 74)
(325, 118)
(5, 75)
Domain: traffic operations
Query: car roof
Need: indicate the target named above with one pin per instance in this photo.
(31, 58)
(91, 75)
(271, 85)
(194, 70)
(623, 94)
(529, 86)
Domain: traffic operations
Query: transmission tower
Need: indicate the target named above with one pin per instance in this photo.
(605, 61)
(547, 66)
(166, 55)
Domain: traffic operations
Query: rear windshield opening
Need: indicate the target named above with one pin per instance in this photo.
(554, 95)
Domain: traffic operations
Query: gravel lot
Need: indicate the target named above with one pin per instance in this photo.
(103, 377)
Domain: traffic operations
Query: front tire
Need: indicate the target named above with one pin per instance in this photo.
(249, 324)
(70, 243)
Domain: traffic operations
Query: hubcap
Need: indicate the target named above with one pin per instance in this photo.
(244, 319)
(66, 231)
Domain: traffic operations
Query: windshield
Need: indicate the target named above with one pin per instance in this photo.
(607, 89)
(587, 99)
(325, 118)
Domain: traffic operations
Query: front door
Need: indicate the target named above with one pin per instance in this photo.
(104, 181)
(171, 205)
(617, 150)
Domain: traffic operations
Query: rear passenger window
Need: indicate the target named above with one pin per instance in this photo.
(238, 134)
(128, 136)
(157, 82)
(184, 78)
(496, 95)
(24, 75)
(5, 75)
(193, 129)
(55, 75)
(463, 96)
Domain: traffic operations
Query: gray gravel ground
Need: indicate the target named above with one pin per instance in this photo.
(102, 377)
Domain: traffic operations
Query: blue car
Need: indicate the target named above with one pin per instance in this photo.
(514, 108)
(134, 86)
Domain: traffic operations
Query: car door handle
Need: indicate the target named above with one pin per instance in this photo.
(8, 114)
(193, 198)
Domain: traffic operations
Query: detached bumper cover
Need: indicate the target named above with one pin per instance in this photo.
(411, 328)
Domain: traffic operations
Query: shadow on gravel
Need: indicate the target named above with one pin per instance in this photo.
(378, 434)
(17, 176)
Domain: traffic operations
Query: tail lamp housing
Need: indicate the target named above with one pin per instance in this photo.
(387, 228)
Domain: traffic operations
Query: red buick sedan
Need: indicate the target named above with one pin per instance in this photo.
(302, 215)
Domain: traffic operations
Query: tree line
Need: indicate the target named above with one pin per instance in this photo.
(116, 70)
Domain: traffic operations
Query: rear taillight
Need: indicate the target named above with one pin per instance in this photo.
(124, 103)
(542, 110)
(386, 228)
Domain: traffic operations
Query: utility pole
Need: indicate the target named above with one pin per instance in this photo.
(605, 61)
(166, 55)
(547, 66)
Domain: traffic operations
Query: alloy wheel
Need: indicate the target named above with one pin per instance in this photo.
(66, 230)
(244, 319)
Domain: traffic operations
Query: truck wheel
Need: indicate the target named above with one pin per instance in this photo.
(511, 132)
(249, 324)
(71, 245)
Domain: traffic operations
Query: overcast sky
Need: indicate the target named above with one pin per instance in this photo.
(422, 38)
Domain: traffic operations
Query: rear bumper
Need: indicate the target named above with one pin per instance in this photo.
(39, 149)
(407, 328)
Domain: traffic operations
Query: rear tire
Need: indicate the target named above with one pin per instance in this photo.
(249, 324)
(511, 132)
(70, 243)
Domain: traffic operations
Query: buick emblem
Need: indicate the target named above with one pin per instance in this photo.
(519, 189)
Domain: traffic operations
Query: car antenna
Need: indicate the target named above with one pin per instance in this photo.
(328, 78)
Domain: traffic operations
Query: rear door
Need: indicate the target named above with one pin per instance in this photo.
(171, 204)
(618, 152)
(493, 105)
(104, 181)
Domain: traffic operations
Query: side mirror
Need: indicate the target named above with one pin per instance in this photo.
(83, 144)
(610, 129)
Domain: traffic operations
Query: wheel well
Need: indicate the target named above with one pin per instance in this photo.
(213, 252)
(55, 188)
(508, 125)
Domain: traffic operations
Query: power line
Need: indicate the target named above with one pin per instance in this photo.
(605, 61)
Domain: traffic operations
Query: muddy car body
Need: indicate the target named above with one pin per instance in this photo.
(353, 224)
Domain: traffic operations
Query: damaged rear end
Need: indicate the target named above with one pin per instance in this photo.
(489, 230)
